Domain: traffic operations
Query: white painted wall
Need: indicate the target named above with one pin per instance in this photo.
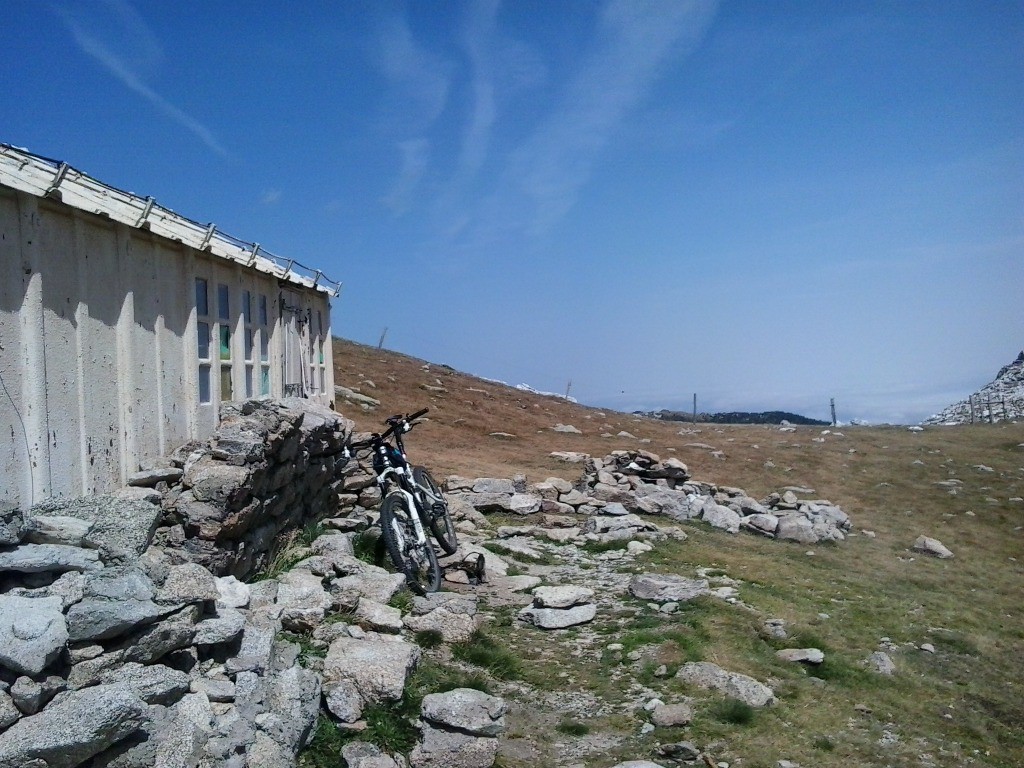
(98, 346)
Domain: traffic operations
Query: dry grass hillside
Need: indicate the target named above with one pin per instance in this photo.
(962, 704)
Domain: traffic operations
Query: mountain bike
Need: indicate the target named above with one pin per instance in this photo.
(412, 503)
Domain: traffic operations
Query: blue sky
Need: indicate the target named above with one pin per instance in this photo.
(766, 203)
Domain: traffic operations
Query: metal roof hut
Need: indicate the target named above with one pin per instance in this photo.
(124, 325)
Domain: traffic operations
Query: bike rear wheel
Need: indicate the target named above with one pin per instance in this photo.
(417, 561)
(439, 520)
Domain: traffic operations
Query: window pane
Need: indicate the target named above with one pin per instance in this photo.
(203, 332)
(263, 310)
(246, 302)
(223, 309)
(264, 347)
(225, 382)
(204, 383)
(202, 301)
(248, 381)
(265, 381)
(225, 343)
(248, 344)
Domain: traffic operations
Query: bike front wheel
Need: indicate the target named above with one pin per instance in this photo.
(439, 520)
(417, 561)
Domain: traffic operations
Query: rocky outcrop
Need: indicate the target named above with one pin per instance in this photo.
(1002, 399)
(615, 489)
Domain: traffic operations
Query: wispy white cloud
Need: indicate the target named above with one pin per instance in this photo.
(415, 158)
(129, 25)
(419, 79)
(270, 196)
(543, 177)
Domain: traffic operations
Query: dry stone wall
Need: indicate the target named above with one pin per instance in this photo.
(271, 467)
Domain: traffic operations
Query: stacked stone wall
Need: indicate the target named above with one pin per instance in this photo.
(271, 467)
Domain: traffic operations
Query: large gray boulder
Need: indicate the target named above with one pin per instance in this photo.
(74, 728)
(452, 749)
(49, 558)
(720, 517)
(667, 587)
(704, 674)
(116, 601)
(188, 733)
(465, 709)
(303, 600)
(558, 618)
(12, 525)
(33, 632)
(121, 529)
(362, 754)
(57, 530)
(657, 500)
(377, 667)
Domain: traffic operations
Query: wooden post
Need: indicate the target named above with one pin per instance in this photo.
(380, 343)
(694, 407)
(970, 400)
(990, 409)
(1005, 414)
(832, 403)
(567, 388)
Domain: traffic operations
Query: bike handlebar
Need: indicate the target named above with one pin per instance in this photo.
(395, 422)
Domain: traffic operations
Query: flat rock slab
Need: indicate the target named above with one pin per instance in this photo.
(562, 596)
(377, 669)
(451, 749)
(33, 633)
(558, 618)
(932, 547)
(806, 655)
(49, 558)
(466, 709)
(672, 715)
(122, 528)
(704, 674)
(80, 725)
(666, 587)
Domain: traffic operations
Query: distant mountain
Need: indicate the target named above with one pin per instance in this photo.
(1002, 399)
(737, 417)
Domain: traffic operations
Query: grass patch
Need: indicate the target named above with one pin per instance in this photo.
(286, 553)
(824, 743)
(597, 547)
(324, 751)
(307, 648)
(370, 548)
(483, 651)
(390, 726)
(542, 558)
(733, 712)
(402, 600)
(573, 728)
(428, 638)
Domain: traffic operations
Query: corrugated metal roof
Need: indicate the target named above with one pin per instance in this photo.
(43, 177)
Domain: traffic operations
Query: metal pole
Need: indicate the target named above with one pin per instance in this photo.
(832, 404)
(381, 342)
(970, 400)
(567, 388)
(694, 407)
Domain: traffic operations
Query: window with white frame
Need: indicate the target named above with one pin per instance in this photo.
(224, 336)
(250, 341)
(320, 349)
(264, 334)
(203, 338)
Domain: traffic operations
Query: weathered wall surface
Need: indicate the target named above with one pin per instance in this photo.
(98, 347)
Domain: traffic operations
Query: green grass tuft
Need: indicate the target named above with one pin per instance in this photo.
(483, 651)
(428, 638)
(733, 711)
(573, 728)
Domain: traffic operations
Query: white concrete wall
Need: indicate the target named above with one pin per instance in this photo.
(98, 346)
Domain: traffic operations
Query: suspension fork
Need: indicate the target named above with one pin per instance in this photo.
(414, 508)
